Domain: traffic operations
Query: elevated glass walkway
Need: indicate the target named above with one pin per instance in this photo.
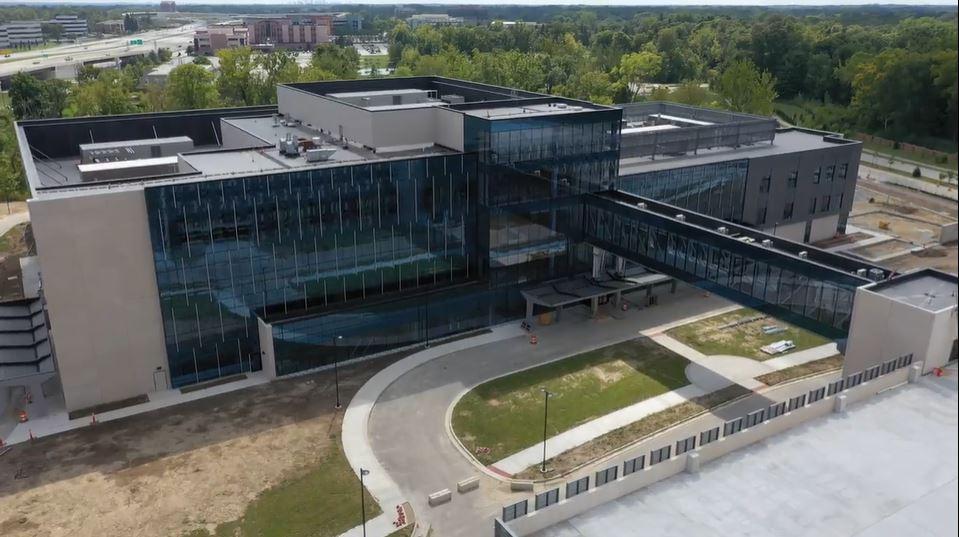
(802, 284)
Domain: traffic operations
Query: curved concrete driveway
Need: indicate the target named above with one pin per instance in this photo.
(407, 428)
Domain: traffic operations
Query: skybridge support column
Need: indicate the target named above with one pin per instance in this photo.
(599, 258)
(529, 312)
(620, 265)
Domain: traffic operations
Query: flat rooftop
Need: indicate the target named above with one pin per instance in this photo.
(825, 477)
(794, 140)
(926, 289)
(513, 111)
(255, 151)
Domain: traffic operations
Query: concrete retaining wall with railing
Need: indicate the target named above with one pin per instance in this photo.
(898, 373)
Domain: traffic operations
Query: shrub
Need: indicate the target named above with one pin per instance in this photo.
(916, 172)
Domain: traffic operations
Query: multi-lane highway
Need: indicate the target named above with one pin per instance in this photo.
(44, 62)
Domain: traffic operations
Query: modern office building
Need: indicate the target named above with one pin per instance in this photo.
(72, 26)
(294, 31)
(20, 34)
(206, 41)
(434, 19)
(359, 217)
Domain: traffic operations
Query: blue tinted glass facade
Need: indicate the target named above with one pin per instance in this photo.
(716, 190)
(274, 245)
(811, 295)
(531, 172)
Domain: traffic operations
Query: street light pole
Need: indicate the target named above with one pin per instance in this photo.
(546, 396)
(336, 370)
(363, 499)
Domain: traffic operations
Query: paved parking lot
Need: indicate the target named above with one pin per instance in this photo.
(886, 468)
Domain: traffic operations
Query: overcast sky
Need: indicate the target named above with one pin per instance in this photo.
(508, 2)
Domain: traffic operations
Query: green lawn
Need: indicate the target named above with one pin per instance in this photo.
(323, 502)
(505, 415)
(721, 335)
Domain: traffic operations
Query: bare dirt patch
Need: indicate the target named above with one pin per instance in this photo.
(910, 229)
(175, 470)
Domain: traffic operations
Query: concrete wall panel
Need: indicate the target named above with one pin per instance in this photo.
(99, 282)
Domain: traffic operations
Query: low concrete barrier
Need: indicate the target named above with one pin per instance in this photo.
(690, 461)
(949, 233)
(440, 497)
(520, 486)
(467, 485)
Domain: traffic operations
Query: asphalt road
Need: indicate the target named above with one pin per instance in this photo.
(99, 50)
(408, 423)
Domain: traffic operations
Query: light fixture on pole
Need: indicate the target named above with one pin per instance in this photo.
(363, 498)
(336, 370)
(546, 395)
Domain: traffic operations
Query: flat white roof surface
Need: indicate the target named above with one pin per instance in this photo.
(678, 119)
(510, 112)
(887, 467)
(350, 94)
(124, 164)
(650, 128)
(926, 291)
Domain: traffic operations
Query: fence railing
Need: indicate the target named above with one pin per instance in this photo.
(727, 130)
(664, 456)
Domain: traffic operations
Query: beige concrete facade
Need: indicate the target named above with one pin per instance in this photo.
(884, 328)
(100, 286)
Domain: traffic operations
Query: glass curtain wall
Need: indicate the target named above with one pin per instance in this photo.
(716, 190)
(808, 294)
(352, 332)
(301, 241)
(531, 173)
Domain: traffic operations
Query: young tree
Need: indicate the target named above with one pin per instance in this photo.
(31, 98)
(108, 94)
(743, 88)
(638, 67)
(190, 87)
(342, 62)
(11, 169)
(239, 82)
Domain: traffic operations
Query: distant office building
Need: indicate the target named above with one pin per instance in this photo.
(113, 26)
(20, 34)
(72, 25)
(161, 73)
(347, 22)
(209, 40)
(167, 7)
(434, 19)
(469, 14)
(294, 31)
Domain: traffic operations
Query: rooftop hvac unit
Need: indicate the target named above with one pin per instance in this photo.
(804, 254)
(723, 230)
(767, 243)
(875, 274)
(861, 272)
(453, 99)
(681, 217)
(641, 205)
(319, 154)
